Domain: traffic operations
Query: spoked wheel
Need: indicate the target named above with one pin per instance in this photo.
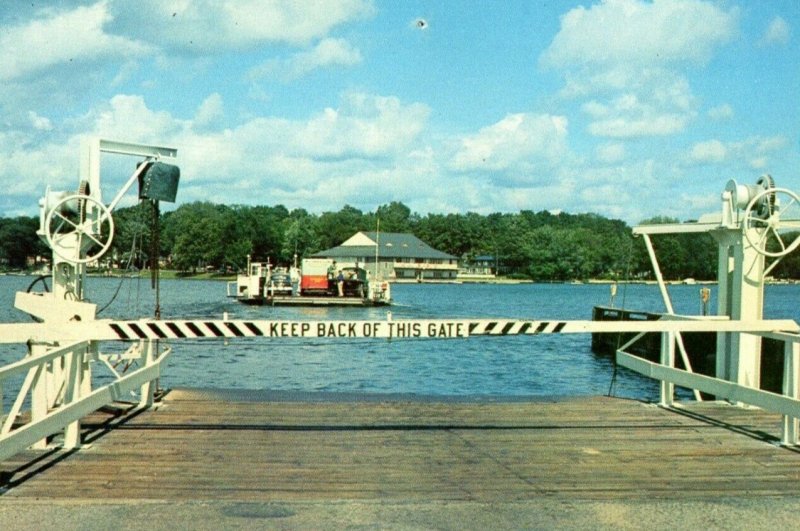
(94, 234)
(762, 221)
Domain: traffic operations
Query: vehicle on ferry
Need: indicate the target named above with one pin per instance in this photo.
(318, 282)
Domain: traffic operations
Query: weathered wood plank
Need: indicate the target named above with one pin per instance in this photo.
(206, 445)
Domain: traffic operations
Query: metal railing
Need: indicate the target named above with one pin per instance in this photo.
(57, 388)
(57, 382)
(787, 403)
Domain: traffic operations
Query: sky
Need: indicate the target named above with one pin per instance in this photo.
(625, 108)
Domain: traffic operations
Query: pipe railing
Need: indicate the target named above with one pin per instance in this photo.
(787, 403)
(56, 387)
(57, 379)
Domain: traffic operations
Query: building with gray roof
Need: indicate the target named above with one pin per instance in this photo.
(399, 256)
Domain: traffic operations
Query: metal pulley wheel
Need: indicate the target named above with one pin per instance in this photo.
(762, 220)
(95, 233)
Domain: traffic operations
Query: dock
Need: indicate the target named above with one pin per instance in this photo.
(215, 459)
(239, 459)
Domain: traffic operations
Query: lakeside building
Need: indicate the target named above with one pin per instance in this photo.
(480, 265)
(483, 267)
(400, 256)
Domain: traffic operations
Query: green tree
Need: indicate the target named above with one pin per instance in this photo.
(299, 236)
(133, 232)
(196, 230)
(394, 217)
(18, 241)
(333, 228)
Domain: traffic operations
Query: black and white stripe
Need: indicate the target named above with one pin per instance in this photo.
(135, 330)
(128, 330)
(514, 327)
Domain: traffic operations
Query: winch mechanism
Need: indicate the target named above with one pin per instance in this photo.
(768, 213)
(758, 222)
(79, 226)
(75, 224)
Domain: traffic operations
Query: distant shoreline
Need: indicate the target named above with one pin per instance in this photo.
(168, 274)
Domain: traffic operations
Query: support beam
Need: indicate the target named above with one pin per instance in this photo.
(667, 360)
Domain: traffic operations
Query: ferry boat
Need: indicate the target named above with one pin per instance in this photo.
(318, 282)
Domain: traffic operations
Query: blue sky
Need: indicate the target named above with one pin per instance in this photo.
(625, 108)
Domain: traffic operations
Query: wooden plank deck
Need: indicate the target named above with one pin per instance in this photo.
(207, 445)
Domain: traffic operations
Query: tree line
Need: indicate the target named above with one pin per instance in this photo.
(537, 245)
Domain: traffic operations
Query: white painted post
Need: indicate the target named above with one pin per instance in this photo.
(39, 395)
(668, 360)
(92, 353)
(72, 393)
(791, 388)
(725, 266)
(747, 305)
(147, 356)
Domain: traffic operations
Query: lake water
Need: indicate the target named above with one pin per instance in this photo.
(516, 366)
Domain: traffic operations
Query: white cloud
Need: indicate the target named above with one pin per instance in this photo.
(40, 123)
(721, 112)
(210, 111)
(645, 121)
(633, 31)
(606, 194)
(327, 53)
(128, 117)
(703, 203)
(25, 172)
(753, 152)
(359, 152)
(364, 126)
(211, 26)
(517, 142)
(61, 37)
(610, 153)
(626, 56)
(778, 32)
(656, 102)
(709, 151)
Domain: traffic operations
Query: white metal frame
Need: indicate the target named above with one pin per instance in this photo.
(59, 396)
(741, 270)
(787, 403)
(57, 381)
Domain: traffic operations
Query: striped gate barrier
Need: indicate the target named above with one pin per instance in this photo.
(101, 330)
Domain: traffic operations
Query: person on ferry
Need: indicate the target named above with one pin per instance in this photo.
(331, 276)
(340, 283)
(294, 277)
